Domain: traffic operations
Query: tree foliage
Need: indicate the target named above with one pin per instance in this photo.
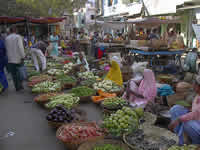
(39, 8)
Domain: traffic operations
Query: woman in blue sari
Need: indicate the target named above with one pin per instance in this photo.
(3, 63)
(54, 41)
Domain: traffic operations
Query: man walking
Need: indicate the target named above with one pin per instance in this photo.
(16, 55)
(38, 50)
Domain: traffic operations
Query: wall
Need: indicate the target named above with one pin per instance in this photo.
(121, 7)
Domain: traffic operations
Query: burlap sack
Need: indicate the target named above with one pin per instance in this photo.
(182, 87)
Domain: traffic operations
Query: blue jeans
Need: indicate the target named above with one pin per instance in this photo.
(191, 128)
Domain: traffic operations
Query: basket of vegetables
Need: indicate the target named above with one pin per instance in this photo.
(102, 96)
(123, 121)
(84, 93)
(67, 81)
(47, 87)
(106, 144)
(139, 140)
(69, 68)
(44, 98)
(38, 79)
(88, 82)
(113, 104)
(69, 101)
(55, 72)
(75, 134)
(108, 86)
(60, 115)
(87, 76)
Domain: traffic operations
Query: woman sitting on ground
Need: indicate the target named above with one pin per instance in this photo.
(186, 123)
(141, 89)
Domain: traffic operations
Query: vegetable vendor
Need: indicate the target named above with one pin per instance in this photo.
(3, 63)
(141, 88)
(186, 123)
(54, 40)
(82, 60)
(114, 73)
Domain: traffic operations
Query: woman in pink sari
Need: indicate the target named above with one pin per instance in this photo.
(141, 88)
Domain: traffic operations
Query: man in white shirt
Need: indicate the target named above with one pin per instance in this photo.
(16, 55)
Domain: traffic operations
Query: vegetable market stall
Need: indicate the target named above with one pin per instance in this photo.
(154, 57)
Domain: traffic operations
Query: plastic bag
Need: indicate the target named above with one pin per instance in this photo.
(23, 73)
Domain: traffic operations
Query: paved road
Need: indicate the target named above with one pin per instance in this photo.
(25, 120)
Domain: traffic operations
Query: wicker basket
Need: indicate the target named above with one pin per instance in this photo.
(92, 145)
(75, 144)
(85, 99)
(81, 117)
(69, 85)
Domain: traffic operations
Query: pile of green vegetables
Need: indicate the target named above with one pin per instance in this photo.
(107, 86)
(87, 75)
(33, 73)
(54, 65)
(83, 91)
(67, 100)
(123, 121)
(108, 147)
(88, 82)
(115, 102)
(185, 147)
(64, 79)
(1, 87)
(46, 87)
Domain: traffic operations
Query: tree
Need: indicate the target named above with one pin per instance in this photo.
(49, 7)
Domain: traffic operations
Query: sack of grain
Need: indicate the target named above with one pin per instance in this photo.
(183, 87)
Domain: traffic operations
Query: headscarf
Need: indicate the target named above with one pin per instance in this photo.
(114, 73)
(139, 67)
(117, 59)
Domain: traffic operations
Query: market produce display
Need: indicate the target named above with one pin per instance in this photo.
(45, 97)
(54, 72)
(68, 67)
(112, 103)
(87, 75)
(62, 115)
(41, 77)
(76, 133)
(38, 79)
(67, 100)
(83, 91)
(123, 121)
(46, 87)
(53, 65)
(88, 82)
(107, 86)
(108, 147)
(102, 96)
(1, 87)
(64, 79)
(33, 73)
(185, 147)
(138, 140)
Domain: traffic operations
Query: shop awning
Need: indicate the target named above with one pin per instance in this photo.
(146, 21)
(11, 20)
(45, 20)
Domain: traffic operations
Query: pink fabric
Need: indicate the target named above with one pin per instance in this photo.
(195, 114)
(147, 88)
